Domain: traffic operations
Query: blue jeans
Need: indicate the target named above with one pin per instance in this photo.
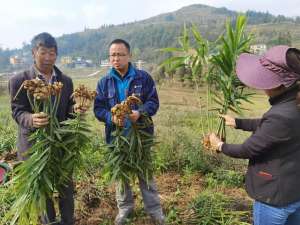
(264, 214)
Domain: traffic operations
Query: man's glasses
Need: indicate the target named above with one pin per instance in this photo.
(117, 55)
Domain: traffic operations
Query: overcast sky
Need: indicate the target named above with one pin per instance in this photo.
(20, 20)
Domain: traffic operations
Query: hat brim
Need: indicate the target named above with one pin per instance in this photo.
(253, 74)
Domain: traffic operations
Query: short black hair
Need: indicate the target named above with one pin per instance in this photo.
(120, 41)
(44, 39)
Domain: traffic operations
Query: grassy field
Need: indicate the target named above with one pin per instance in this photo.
(189, 178)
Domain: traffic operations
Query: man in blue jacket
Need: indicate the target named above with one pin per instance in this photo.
(121, 81)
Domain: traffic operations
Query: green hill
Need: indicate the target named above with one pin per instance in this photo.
(160, 31)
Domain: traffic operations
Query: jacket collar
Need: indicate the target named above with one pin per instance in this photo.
(33, 73)
(132, 72)
(289, 95)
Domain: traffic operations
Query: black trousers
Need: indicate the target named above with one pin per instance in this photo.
(66, 207)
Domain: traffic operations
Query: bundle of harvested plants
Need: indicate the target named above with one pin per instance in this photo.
(54, 155)
(129, 154)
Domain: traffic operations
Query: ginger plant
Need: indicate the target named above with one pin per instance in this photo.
(54, 155)
(229, 92)
(213, 64)
(129, 154)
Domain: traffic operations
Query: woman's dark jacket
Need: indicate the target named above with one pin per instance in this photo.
(273, 150)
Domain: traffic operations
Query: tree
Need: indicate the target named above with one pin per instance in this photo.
(282, 38)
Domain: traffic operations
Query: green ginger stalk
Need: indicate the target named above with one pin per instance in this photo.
(129, 154)
(55, 153)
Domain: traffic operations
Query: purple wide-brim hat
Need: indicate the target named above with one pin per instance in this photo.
(267, 71)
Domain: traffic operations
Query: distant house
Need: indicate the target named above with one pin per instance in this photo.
(258, 49)
(89, 61)
(65, 60)
(16, 60)
(77, 62)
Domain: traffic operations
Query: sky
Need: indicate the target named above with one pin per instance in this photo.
(20, 20)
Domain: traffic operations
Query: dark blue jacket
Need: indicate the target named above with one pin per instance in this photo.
(141, 85)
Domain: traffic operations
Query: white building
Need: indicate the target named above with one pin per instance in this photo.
(258, 49)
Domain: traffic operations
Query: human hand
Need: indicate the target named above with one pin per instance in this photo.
(80, 109)
(119, 121)
(229, 120)
(215, 142)
(39, 119)
(134, 116)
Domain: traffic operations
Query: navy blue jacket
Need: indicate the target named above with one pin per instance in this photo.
(141, 85)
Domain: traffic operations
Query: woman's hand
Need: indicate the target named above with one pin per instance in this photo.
(215, 142)
(229, 120)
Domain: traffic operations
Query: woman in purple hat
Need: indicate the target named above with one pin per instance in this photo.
(273, 150)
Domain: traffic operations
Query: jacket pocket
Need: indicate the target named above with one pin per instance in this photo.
(137, 90)
(265, 186)
(111, 97)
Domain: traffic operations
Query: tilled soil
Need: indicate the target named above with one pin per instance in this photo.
(176, 192)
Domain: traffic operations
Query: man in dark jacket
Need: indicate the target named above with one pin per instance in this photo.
(44, 51)
(122, 81)
(273, 150)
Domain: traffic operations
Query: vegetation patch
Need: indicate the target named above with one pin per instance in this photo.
(215, 208)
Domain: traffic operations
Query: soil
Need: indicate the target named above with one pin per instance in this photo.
(176, 192)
